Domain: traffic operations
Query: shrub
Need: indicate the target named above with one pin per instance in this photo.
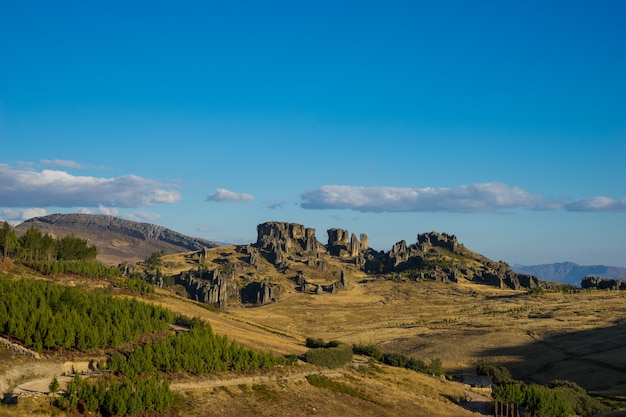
(331, 357)
(497, 374)
(577, 398)
(370, 350)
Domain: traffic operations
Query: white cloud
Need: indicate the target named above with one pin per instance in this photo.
(61, 163)
(17, 216)
(141, 216)
(486, 197)
(53, 188)
(223, 194)
(597, 204)
(109, 211)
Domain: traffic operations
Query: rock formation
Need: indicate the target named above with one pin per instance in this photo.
(602, 283)
(277, 240)
(259, 293)
(210, 288)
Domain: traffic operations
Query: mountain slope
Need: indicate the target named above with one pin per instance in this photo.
(118, 240)
(569, 272)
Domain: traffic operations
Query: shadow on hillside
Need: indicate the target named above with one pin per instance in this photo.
(595, 359)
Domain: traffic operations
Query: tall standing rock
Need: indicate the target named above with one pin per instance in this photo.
(355, 246)
(364, 243)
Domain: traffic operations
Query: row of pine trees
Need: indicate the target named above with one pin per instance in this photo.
(42, 315)
(35, 246)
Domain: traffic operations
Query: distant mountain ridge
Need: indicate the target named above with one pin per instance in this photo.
(570, 272)
(118, 240)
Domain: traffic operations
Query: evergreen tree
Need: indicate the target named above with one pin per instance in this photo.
(54, 385)
(8, 240)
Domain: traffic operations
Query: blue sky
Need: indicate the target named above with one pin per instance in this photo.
(503, 123)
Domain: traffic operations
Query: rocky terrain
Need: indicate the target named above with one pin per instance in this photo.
(117, 240)
(433, 298)
(289, 257)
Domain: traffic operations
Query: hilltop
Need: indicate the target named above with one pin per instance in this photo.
(118, 240)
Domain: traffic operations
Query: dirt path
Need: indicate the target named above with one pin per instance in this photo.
(35, 377)
(478, 403)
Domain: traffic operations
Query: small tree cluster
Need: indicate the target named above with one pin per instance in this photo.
(535, 398)
(578, 399)
(137, 285)
(497, 374)
(117, 397)
(35, 246)
(198, 351)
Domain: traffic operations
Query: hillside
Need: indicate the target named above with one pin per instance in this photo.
(569, 272)
(430, 300)
(117, 240)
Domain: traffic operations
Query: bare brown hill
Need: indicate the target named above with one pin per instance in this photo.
(118, 240)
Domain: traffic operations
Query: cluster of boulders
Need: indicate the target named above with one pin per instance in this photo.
(602, 283)
(426, 258)
(500, 275)
(206, 287)
(294, 249)
(315, 288)
(262, 292)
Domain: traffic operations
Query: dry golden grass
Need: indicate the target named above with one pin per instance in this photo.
(579, 336)
(576, 336)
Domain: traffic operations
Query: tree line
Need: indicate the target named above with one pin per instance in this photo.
(198, 351)
(35, 246)
(43, 315)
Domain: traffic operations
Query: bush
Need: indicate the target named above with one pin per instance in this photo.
(497, 374)
(578, 399)
(534, 398)
(331, 357)
(370, 350)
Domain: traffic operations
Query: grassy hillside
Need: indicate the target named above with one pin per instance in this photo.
(540, 337)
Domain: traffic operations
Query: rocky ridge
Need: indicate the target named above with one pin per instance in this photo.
(289, 257)
(117, 239)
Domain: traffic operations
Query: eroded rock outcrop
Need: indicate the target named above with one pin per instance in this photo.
(603, 283)
(210, 287)
(277, 240)
(262, 292)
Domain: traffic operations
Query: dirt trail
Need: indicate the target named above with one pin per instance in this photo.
(35, 377)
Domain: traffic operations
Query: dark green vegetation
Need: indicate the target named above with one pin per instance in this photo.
(402, 361)
(332, 354)
(42, 315)
(198, 351)
(90, 269)
(136, 380)
(49, 256)
(35, 246)
(559, 399)
(117, 396)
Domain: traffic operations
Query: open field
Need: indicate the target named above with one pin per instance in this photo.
(579, 336)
